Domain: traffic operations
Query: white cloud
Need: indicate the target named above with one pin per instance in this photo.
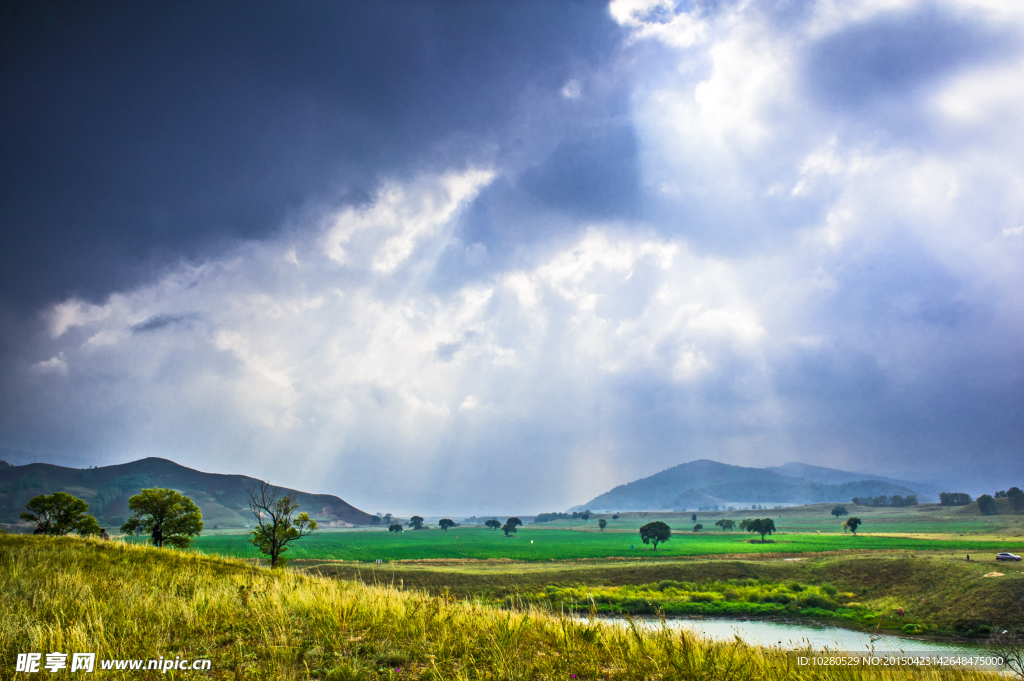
(54, 365)
(572, 89)
(400, 218)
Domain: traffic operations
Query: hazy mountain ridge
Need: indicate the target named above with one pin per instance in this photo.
(705, 482)
(107, 489)
(834, 476)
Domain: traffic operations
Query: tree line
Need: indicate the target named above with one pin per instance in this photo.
(895, 501)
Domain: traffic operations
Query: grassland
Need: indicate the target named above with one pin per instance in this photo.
(539, 544)
(124, 601)
(940, 593)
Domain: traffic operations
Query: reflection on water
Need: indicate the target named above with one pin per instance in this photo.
(798, 636)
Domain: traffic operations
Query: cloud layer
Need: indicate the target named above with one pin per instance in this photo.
(802, 241)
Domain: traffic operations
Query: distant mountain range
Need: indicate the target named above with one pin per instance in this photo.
(692, 485)
(221, 498)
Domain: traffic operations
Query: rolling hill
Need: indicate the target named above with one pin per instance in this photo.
(699, 483)
(221, 498)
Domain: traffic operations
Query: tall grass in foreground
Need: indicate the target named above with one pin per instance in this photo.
(81, 595)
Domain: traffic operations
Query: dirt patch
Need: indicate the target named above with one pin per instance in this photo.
(994, 574)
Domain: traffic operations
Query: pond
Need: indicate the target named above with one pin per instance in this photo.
(798, 636)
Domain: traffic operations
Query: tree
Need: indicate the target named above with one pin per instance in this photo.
(655, 532)
(60, 513)
(987, 505)
(852, 523)
(388, 517)
(839, 511)
(955, 498)
(693, 517)
(615, 517)
(493, 524)
(275, 526)
(445, 523)
(725, 524)
(416, 522)
(510, 525)
(586, 516)
(602, 523)
(698, 527)
(1016, 497)
(395, 527)
(761, 526)
(166, 515)
(89, 527)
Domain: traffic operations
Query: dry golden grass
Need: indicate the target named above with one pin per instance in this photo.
(81, 595)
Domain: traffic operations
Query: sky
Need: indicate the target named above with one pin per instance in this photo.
(492, 257)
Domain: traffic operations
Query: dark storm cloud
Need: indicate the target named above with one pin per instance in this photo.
(162, 321)
(134, 135)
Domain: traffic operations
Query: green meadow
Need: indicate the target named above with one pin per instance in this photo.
(535, 544)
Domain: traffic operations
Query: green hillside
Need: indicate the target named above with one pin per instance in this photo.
(107, 490)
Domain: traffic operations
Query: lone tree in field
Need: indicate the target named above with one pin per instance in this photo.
(725, 524)
(698, 527)
(275, 526)
(510, 525)
(416, 522)
(59, 513)
(169, 517)
(693, 517)
(445, 523)
(761, 526)
(655, 532)
(493, 524)
(840, 511)
(602, 523)
(395, 527)
(852, 524)
(987, 505)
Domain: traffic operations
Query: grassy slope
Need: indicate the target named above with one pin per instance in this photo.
(942, 591)
(71, 594)
(555, 544)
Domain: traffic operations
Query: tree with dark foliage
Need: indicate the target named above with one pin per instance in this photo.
(761, 526)
(416, 522)
(1016, 497)
(840, 511)
(510, 525)
(987, 505)
(445, 523)
(655, 532)
(852, 524)
(395, 527)
(59, 513)
(166, 515)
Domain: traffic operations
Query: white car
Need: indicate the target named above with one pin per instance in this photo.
(1006, 556)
